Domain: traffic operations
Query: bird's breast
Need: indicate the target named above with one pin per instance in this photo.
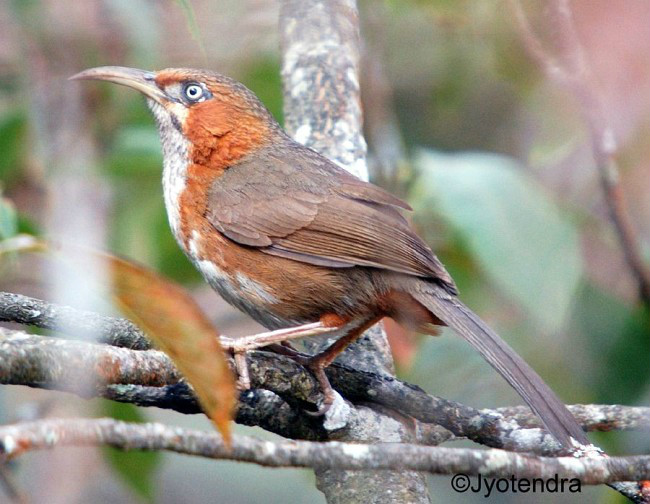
(235, 280)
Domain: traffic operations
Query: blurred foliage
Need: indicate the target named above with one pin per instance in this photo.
(8, 218)
(13, 136)
(615, 336)
(11, 224)
(526, 242)
(24, 8)
(263, 78)
(136, 468)
(499, 211)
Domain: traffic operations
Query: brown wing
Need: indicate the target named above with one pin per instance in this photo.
(301, 206)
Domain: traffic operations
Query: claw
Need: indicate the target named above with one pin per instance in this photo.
(325, 407)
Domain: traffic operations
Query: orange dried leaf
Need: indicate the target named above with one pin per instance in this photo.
(169, 316)
(175, 323)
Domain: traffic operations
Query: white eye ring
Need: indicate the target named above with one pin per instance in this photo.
(193, 92)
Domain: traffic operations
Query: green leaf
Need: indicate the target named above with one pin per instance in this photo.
(26, 225)
(516, 233)
(13, 129)
(8, 219)
(136, 468)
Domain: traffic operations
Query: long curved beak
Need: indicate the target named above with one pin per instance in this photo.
(141, 80)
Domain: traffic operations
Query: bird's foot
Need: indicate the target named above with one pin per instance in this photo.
(319, 362)
(329, 396)
(274, 339)
(316, 365)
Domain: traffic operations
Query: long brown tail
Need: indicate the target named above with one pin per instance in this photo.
(539, 396)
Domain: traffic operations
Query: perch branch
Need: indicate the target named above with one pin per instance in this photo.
(592, 417)
(148, 378)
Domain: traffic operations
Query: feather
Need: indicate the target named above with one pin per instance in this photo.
(303, 207)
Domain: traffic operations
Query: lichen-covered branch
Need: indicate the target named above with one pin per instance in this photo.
(43, 434)
(48, 363)
(320, 75)
(148, 378)
(30, 311)
(592, 417)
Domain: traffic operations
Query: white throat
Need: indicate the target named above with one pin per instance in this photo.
(175, 149)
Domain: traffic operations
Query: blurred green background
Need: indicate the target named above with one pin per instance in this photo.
(495, 159)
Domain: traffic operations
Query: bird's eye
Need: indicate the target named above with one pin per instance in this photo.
(193, 92)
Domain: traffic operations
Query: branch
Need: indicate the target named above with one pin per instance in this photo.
(19, 438)
(572, 70)
(110, 330)
(148, 378)
(320, 69)
(69, 365)
(592, 417)
(41, 362)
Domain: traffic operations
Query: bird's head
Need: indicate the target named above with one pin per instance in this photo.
(220, 118)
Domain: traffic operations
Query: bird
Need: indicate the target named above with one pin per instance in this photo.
(290, 238)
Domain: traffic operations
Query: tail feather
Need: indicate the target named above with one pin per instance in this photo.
(542, 400)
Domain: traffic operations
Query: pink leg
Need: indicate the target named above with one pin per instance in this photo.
(239, 346)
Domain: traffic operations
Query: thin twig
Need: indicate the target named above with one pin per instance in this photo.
(571, 69)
